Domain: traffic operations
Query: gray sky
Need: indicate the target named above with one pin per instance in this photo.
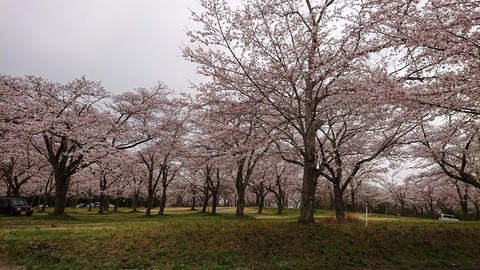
(123, 43)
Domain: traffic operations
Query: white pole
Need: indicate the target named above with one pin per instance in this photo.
(366, 215)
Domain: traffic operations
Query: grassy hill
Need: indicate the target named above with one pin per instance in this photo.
(184, 239)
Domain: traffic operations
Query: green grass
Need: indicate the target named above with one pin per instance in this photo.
(184, 239)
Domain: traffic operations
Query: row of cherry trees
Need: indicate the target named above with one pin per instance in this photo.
(337, 89)
(146, 144)
(346, 81)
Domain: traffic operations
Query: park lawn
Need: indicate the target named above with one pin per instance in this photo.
(184, 239)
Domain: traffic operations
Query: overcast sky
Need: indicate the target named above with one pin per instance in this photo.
(123, 43)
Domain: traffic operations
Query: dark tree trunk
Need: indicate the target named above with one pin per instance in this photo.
(477, 209)
(214, 201)
(136, 195)
(339, 205)
(205, 201)
(194, 198)
(100, 201)
(464, 206)
(240, 202)
(61, 189)
(163, 201)
(280, 207)
(353, 200)
(240, 186)
(309, 187)
(261, 204)
(116, 203)
(402, 207)
(149, 204)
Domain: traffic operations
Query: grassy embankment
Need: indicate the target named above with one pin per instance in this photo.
(183, 239)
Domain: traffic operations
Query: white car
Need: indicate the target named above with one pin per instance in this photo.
(447, 217)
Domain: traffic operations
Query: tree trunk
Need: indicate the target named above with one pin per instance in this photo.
(192, 208)
(402, 207)
(214, 201)
(135, 201)
(280, 206)
(464, 206)
(477, 209)
(149, 204)
(116, 203)
(339, 205)
(309, 186)
(101, 205)
(261, 198)
(240, 201)
(353, 200)
(61, 189)
(261, 203)
(205, 201)
(163, 201)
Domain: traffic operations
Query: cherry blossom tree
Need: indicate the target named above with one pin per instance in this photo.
(452, 143)
(287, 55)
(64, 123)
(135, 114)
(400, 191)
(355, 136)
(107, 173)
(162, 155)
(438, 44)
(20, 164)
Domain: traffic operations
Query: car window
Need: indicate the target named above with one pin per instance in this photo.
(18, 202)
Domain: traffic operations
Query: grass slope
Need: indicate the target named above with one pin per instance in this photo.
(184, 239)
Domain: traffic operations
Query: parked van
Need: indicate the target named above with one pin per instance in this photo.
(447, 217)
(15, 207)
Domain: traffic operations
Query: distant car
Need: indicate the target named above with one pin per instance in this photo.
(447, 217)
(93, 204)
(15, 207)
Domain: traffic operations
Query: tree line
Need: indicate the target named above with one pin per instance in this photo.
(357, 98)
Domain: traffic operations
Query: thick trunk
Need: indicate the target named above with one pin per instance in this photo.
(280, 207)
(163, 201)
(339, 205)
(280, 200)
(61, 189)
(310, 176)
(240, 202)
(402, 208)
(214, 201)
(261, 204)
(149, 204)
(465, 212)
(309, 187)
(205, 202)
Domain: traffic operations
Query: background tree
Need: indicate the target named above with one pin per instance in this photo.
(64, 122)
(452, 142)
(437, 42)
